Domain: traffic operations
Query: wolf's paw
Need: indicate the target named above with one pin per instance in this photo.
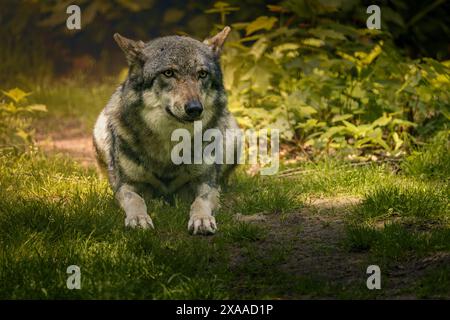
(202, 224)
(139, 220)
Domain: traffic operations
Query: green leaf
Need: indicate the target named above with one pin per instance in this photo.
(22, 134)
(261, 23)
(221, 7)
(332, 131)
(275, 8)
(307, 110)
(382, 121)
(259, 47)
(350, 126)
(16, 94)
(37, 107)
(405, 123)
(398, 142)
(341, 117)
(326, 33)
(313, 42)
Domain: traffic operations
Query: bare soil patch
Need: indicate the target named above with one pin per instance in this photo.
(314, 238)
(66, 136)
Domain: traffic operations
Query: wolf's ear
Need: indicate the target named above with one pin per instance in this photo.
(216, 42)
(132, 49)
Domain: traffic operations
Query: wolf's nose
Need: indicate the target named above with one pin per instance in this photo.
(193, 109)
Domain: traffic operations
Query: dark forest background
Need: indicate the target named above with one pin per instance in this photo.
(36, 41)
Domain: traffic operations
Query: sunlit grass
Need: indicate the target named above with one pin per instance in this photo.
(409, 216)
(55, 213)
(74, 98)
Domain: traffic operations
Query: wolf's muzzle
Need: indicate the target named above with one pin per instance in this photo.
(193, 109)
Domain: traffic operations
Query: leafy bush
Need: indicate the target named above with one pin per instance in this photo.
(331, 86)
(16, 116)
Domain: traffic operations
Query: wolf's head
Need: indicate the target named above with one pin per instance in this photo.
(178, 78)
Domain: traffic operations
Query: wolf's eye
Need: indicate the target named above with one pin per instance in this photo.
(168, 73)
(202, 74)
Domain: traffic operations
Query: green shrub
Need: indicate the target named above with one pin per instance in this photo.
(16, 116)
(328, 85)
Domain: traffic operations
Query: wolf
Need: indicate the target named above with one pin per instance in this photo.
(172, 82)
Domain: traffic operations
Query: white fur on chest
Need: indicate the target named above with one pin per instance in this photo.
(162, 126)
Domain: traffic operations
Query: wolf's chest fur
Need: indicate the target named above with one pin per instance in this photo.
(153, 146)
(155, 157)
(141, 151)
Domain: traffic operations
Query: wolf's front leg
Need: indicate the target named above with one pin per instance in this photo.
(201, 219)
(134, 207)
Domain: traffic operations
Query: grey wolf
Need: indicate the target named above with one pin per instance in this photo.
(172, 82)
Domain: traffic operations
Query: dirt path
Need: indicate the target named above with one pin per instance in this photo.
(69, 137)
(313, 237)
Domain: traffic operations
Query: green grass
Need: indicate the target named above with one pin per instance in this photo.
(410, 199)
(243, 232)
(432, 161)
(261, 195)
(74, 98)
(408, 217)
(54, 213)
(435, 283)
